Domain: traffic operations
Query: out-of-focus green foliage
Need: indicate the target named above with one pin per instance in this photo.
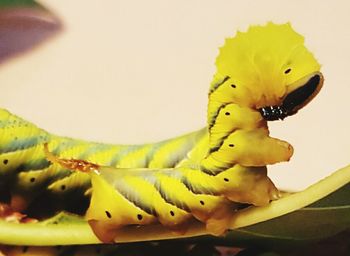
(320, 220)
(18, 3)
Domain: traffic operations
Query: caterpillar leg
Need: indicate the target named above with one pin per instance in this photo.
(219, 221)
(108, 210)
(248, 148)
(171, 197)
(213, 210)
(247, 185)
(103, 230)
(238, 184)
(143, 190)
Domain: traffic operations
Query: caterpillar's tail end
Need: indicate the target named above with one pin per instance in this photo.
(72, 164)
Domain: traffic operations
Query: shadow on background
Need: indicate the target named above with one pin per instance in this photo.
(24, 27)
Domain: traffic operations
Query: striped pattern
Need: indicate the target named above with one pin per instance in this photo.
(24, 168)
(201, 175)
(170, 196)
(148, 195)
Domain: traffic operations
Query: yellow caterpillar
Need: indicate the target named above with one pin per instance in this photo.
(263, 74)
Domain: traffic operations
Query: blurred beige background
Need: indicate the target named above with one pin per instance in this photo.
(139, 71)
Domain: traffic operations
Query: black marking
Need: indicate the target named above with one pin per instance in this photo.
(172, 213)
(233, 86)
(177, 203)
(108, 214)
(207, 171)
(216, 86)
(226, 179)
(139, 217)
(287, 71)
(5, 161)
(213, 119)
(216, 148)
(195, 189)
(201, 202)
(301, 94)
(293, 102)
(63, 187)
(32, 180)
(227, 113)
(231, 145)
(273, 113)
(214, 171)
(138, 203)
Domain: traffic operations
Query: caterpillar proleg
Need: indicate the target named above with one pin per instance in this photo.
(262, 75)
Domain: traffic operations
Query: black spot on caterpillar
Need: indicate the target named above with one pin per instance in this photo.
(108, 214)
(287, 71)
(198, 176)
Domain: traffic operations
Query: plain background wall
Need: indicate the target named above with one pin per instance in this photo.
(139, 71)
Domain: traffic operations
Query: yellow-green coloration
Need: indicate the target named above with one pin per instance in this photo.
(124, 197)
(257, 61)
(203, 175)
(255, 69)
(28, 175)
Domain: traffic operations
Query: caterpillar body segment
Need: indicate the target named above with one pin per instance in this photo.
(262, 75)
(249, 148)
(262, 63)
(115, 210)
(248, 185)
(116, 201)
(27, 175)
(31, 175)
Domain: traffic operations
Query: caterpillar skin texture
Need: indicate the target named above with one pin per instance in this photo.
(153, 201)
(28, 179)
(263, 74)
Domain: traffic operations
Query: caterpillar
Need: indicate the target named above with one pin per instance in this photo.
(262, 75)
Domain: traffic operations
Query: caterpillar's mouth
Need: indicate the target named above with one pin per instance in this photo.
(301, 93)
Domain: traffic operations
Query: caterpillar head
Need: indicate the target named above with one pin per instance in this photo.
(270, 70)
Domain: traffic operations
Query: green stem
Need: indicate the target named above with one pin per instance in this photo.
(292, 202)
(79, 232)
(39, 234)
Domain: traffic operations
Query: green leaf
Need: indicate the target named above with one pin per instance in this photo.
(322, 219)
(19, 3)
(320, 211)
(62, 229)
